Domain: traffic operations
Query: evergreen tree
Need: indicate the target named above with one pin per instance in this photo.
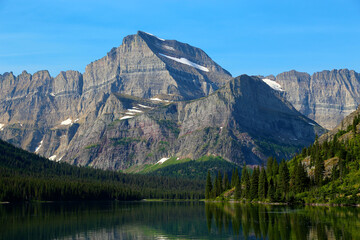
(263, 186)
(235, 178)
(301, 179)
(219, 188)
(245, 181)
(271, 192)
(319, 170)
(226, 184)
(208, 186)
(238, 190)
(232, 181)
(269, 166)
(254, 187)
(284, 179)
(275, 167)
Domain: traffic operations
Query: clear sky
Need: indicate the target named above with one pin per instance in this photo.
(252, 36)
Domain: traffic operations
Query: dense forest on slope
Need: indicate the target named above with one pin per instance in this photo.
(186, 168)
(25, 177)
(325, 172)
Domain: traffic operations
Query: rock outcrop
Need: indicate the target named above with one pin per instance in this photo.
(244, 122)
(326, 97)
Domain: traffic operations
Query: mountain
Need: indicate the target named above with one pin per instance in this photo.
(146, 66)
(326, 97)
(35, 106)
(147, 100)
(345, 129)
(243, 122)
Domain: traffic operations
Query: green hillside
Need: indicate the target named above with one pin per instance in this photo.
(326, 172)
(186, 168)
(25, 176)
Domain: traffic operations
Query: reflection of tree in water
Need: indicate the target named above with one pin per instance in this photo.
(282, 222)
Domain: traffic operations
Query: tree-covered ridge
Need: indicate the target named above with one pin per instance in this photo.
(186, 168)
(322, 173)
(25, 177)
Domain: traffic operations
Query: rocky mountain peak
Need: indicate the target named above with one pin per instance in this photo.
(326, 96)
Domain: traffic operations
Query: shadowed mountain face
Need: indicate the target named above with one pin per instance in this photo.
(146, 100)
(326, 97)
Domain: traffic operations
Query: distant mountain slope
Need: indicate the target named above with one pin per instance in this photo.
(326, 97)
(243, 122)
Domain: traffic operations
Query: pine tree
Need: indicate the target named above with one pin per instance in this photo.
(208, 186)
(219, 189)
(301, 179)
(269, 166)
(275, 167)
(245, 181)
(238, 190)
(226, 184)
(319, 170)
(235, 178)
(284, 179)
(271, 192)
(232, 180)
(254, 187)
(263, 186)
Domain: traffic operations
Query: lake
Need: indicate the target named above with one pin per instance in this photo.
(175, 220)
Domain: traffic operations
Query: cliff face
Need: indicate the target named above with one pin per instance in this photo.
(326, 97)
(145, 66)
(145, 100)
(236, 122)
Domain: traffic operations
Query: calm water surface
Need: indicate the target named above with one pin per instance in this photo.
(175, 220)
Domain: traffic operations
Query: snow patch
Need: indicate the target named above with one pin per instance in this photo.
(76, 120)
(126, 117)
(59, 159)
(162, 160)
(52, 158)
(135, 110)
(274, 85)
(2, 126)
(169, 48)
(177, 158)
(40, 145)
(143, 106)
(158, 100)
(186, 62)
(311, 124)
(155, 36)
(67, 122)
(52, 94)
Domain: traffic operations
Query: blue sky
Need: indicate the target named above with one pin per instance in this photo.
(252, 37)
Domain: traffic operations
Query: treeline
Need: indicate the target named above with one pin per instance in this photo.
(260, 184)
(302, 179)
(27, 177)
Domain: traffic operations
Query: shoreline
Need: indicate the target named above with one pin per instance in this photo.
(287, 204)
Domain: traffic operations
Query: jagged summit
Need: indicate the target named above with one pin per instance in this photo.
(326, 96)
(146, 66)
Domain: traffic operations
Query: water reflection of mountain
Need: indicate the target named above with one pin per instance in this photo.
(283, 222)
(175, 220)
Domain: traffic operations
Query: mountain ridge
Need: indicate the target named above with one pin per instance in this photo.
(146, 100)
